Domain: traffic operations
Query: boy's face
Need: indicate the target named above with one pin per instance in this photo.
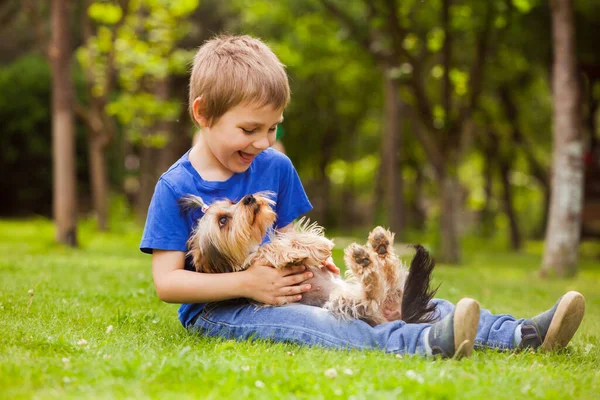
(241, 134)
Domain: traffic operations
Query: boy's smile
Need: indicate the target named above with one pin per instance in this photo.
(230, 144)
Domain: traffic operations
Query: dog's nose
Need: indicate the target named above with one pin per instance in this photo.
(249, 200)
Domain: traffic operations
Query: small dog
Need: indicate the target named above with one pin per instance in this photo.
(377, 287)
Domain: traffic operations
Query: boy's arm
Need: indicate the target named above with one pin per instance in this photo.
(265, 284)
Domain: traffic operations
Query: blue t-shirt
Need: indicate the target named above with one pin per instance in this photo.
(167, 228)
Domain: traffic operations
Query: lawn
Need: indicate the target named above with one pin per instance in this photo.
(86, 323)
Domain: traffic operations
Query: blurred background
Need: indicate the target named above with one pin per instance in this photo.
(432, 117)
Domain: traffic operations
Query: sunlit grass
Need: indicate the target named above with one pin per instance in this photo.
(93, 328)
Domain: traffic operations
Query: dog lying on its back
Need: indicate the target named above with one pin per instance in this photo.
(377, 287)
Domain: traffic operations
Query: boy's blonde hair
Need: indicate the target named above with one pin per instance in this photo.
(231, 70)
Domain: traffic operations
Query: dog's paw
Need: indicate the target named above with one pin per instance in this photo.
(357, 258)
(380, 240)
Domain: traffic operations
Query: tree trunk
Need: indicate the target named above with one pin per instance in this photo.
(99, 179)
(564, 225)
(324, 185)
(154, 161)
(535, 166)
(390, 149)
(147, 179)
(417, 214)
(487, 213)
(515, 233)
(449, 212)
(63, 127)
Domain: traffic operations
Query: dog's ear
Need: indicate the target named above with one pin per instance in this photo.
(196, 255)
(210, 260)
(190, 203)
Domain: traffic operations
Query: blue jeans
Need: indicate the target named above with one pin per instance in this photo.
(313, 326)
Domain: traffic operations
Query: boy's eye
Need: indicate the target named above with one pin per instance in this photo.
(249, 131)
(273, 129)
(222, 221)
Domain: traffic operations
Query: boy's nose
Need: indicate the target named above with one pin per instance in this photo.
(262, 143)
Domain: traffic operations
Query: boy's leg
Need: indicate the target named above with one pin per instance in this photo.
(315, 326)
(494, 331)
(552, 329)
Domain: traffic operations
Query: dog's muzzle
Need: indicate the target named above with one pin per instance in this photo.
(249, 200)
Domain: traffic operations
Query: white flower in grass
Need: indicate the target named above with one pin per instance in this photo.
(66, 360)
(30, 292)
(107, 356)
(414, 376)
(259, 384)
(82, 342)
(348, 371)
(398, 355)
(526, 389)
(245, 368)
(588, 348)
(331, 373)
(338, 392)
(109, 329)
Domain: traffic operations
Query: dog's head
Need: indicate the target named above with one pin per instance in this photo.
(228, 232)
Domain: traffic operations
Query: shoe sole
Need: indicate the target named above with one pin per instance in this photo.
(565, 321)
(466, 321)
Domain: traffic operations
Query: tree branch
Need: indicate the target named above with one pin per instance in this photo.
(447, 59)
(31, 9)
(9, 10)
(477, 71)
(512, 115)
(362, 38)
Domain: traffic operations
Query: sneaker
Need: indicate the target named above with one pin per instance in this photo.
(454, 335)
(553, 329)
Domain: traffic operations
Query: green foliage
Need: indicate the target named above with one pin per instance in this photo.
(141, 44)
(105, 13)
(92, 327)
(26, 139)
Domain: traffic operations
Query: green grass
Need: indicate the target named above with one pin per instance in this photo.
(78, 294)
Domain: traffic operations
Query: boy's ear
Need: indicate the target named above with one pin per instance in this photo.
(198, 106)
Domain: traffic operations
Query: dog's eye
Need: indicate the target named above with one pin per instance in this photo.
(222, 221)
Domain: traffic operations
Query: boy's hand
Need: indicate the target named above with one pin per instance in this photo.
(331, 266)
(273, 286)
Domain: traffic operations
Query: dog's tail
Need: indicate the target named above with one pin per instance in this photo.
(416, 299)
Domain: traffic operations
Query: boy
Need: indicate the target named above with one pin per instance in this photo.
(238, 91)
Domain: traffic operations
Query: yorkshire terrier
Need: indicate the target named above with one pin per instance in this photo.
(377, 288)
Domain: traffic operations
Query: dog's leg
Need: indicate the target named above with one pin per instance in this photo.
(360, 298)
(363, 267)
(380, 243)
(280, 256)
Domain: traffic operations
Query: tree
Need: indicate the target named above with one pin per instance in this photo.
(100, 24)
(405, 34)
(63, 131)
(563, 231)
(382, 38)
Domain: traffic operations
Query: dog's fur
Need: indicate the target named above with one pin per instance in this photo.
(377, 287)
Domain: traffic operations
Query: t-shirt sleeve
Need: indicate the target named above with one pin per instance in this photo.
(292, 201)
(167, 228)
